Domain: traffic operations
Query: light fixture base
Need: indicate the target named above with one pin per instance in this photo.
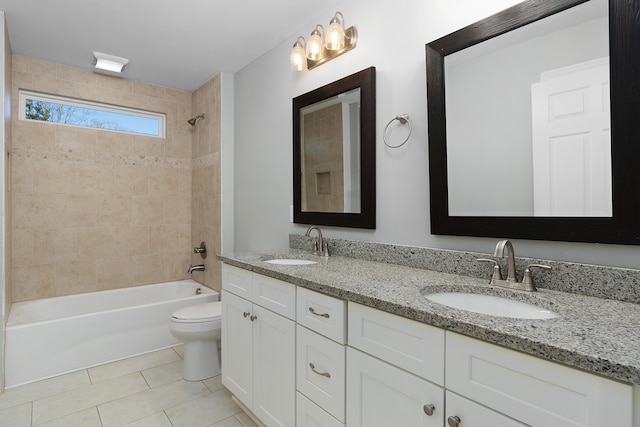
(350, 40)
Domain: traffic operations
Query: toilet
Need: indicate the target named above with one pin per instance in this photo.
(198, 327)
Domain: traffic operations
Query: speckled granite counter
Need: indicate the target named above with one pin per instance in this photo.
(597, 335)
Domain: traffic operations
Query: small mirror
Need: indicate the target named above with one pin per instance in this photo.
(334, 153)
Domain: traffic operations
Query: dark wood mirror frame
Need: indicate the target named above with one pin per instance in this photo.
(624, 49)
(366, 81)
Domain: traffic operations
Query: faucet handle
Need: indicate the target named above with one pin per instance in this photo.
(527, 278)
(325, 248)
(497, 274)
(315, 247)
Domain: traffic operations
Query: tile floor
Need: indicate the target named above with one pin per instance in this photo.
(142, 391)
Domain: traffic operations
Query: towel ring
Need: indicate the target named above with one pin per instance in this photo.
(403, 119)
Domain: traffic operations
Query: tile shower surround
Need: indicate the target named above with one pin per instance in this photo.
(95, 210)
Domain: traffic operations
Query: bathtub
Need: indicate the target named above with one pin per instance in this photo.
(53, 336)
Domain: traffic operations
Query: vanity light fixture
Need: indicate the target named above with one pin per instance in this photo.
(323, 46)
(110, 63)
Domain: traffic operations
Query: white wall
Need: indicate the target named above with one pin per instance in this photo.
(392, 38)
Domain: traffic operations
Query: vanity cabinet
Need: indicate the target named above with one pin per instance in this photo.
(320, 359)
(395, 371)
(296, 357)
(258, 344)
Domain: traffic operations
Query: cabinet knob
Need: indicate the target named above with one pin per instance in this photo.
(245, 314)
(322, 374)
(428, 409)
(453, 421)
(253, 318)
(312, 311)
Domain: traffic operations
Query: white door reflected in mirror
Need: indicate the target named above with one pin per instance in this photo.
(489, 129)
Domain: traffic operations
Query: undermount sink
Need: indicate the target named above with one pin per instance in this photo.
(291, 261)
(492, 305)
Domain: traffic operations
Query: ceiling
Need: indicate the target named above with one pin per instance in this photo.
(174, 43)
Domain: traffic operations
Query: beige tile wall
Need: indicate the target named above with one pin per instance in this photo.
(323, 174)
(206, 182)
(94, 209)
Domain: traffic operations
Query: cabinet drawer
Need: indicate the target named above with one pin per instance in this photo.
(320, 369)
(411, 345)
(311, 415)
(275, 295)
(322, 313)
(532, 390)
(473, 415)
(237, 281)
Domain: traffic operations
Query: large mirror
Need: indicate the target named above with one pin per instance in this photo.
(533, 124)
(334, 153)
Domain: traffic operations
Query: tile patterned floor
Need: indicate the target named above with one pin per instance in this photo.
(142, 391)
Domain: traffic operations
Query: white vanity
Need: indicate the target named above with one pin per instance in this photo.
(297, 357)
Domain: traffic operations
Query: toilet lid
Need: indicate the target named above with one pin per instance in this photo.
(206, 311)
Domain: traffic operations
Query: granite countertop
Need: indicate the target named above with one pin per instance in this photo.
(597, 335)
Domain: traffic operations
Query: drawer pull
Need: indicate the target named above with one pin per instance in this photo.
(245, 314)
(253, 318)
(453, 421)
(322, 374)
(428, 409)
(312, 311)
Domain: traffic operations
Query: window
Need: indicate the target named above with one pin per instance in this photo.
(75, 112)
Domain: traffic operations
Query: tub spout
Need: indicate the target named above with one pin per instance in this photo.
(193, 268)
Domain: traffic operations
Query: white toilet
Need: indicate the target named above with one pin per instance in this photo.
(198, 327)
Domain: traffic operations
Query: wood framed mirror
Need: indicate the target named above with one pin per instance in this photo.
(506, 211)
(334, 162)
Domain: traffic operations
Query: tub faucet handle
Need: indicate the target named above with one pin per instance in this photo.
(202, 250)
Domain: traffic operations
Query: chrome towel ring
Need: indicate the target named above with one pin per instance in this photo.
(403, 119)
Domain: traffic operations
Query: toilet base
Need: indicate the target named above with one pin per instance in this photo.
(201, 360)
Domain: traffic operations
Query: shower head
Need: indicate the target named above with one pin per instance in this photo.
(193, 120)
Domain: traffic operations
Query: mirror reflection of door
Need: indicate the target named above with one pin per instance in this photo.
(572, 141)
(331, 154)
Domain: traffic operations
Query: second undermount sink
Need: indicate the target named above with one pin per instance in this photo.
(291, 261)
(492, 305)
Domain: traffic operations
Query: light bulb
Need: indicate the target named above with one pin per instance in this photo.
(315, 47)
(298, 56)
(334, 39)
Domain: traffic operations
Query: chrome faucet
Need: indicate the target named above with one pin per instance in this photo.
(193, 268)
(511, 281)
(320, 247)
(511, 259)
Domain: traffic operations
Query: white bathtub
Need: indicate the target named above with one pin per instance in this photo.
(52, 336)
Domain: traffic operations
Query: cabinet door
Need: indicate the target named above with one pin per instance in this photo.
(274, 385)
(236, 343)
(381, 395)
(473, 415)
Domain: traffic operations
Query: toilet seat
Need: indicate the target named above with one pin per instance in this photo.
(199, 313)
